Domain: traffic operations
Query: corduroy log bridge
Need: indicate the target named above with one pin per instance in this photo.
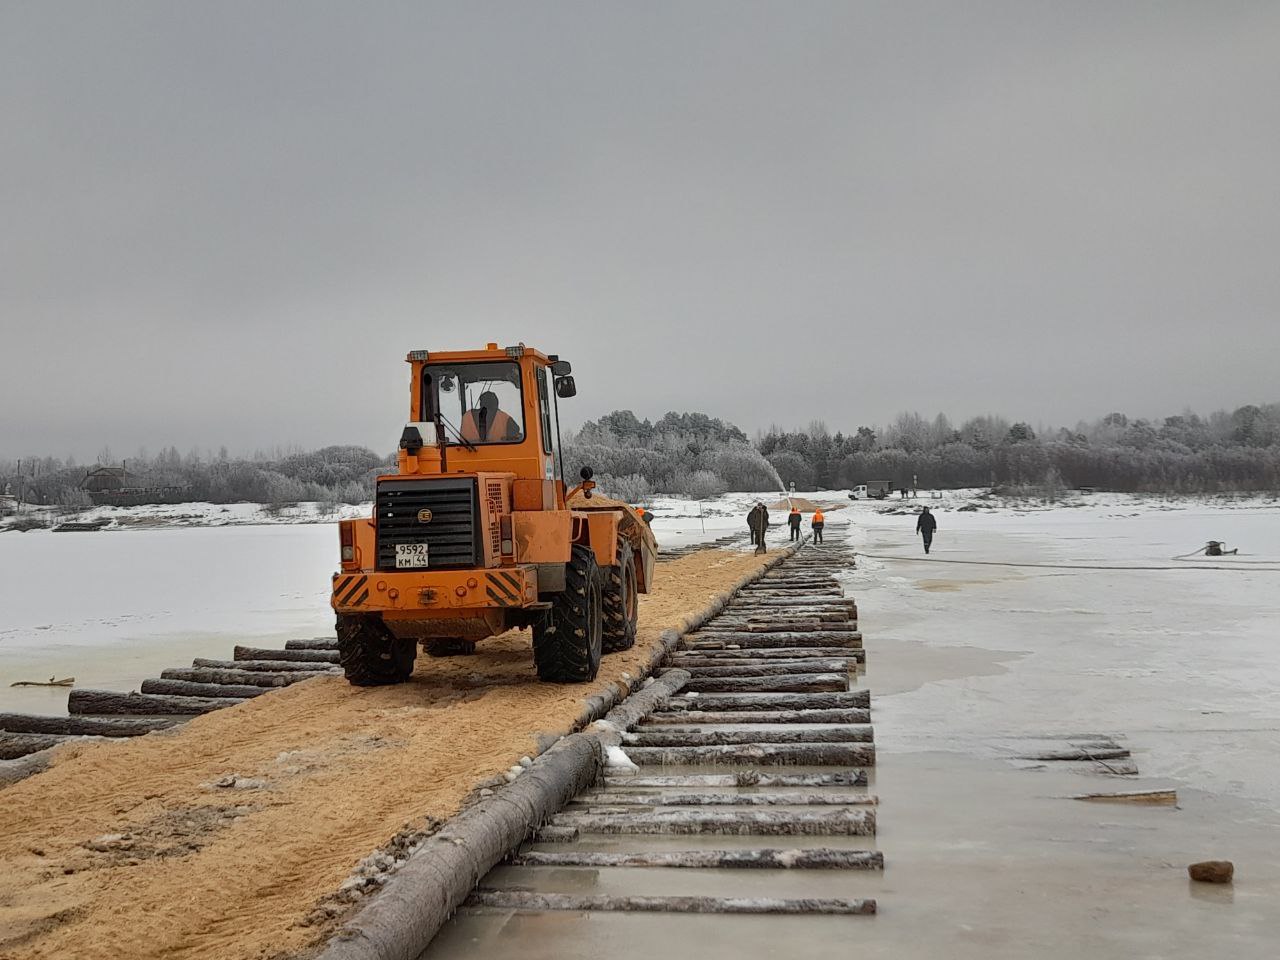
(751, 730)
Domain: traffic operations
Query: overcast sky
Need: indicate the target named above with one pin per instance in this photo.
(226, 223)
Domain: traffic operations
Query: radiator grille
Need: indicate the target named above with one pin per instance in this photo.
(451, 533)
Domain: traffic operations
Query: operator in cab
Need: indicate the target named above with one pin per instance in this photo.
(486, 423)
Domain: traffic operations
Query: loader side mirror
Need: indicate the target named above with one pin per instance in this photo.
(565, 388)
(561, 368)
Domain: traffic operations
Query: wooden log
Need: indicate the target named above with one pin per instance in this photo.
(764, 641)
(1162, 798)
(832, 798)
(789, 626)
(836, 822)
(81, 726)
(250, 677)
(723, 655)
(793, 575)
(757, 716)
(809, 583)
(528, 900)
(11, 771)
(767, 668)
(835, 617)
(770, 701)
(797, 625)
(791, 683)
(794, 593)
(854, 777)
(851, 658)
(745, 602)
(185, 688)
(1115, 753)
(552, 834)
(764, 754)
(645, 700)
(772, 733)
(319, 643)
(260, 666)
(421, 895)
(300, 656)
(143, 704)
(790, 588)
(799, 858)
(15, 745)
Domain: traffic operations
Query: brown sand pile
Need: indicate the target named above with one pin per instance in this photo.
(632, 526)
(196, 870)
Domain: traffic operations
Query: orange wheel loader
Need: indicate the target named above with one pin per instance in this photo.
(476, 534)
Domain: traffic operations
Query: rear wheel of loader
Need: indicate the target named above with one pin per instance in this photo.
(370, 655)
(567, 643)
(621, 601)
(449, 647)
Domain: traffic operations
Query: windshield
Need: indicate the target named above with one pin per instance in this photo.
(479, 402)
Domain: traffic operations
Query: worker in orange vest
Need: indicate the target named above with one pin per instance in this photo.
(818, 522)
(485, 423)
(793, 519)
(644, 514)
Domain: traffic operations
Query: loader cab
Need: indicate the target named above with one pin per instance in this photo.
(491, 410)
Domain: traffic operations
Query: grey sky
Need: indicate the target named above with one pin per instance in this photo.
(225, 223)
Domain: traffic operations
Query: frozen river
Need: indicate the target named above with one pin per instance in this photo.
(116, 607)
(113, 608)
(1184, 662)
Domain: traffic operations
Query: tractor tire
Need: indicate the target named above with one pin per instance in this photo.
(621, 602)
(449, 647)
(567, 642)
(370, 655)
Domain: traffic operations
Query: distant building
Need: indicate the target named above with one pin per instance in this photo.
(105, 480)
(116, 486)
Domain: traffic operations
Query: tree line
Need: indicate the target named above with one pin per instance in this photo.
(1184, 453)
(337, 474)
(699, 456)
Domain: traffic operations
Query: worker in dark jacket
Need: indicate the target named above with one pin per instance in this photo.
(818, 523)
(758, 522)
(925, 525)
(793, 521)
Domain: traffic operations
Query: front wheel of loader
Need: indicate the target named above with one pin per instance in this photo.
(449, 647)
(621, 601)
(567, 643)
(370, 655)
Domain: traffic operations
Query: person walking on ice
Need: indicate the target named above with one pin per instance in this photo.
(925, 525)
(758, 522)
(793, 520)
(818, 522)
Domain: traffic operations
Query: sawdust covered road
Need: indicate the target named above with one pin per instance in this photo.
(188, 869)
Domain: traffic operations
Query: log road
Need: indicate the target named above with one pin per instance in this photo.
(754, 729)
(754, 749)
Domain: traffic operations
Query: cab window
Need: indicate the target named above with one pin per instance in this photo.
(478, 402)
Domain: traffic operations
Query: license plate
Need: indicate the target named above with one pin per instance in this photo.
(410, 555)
